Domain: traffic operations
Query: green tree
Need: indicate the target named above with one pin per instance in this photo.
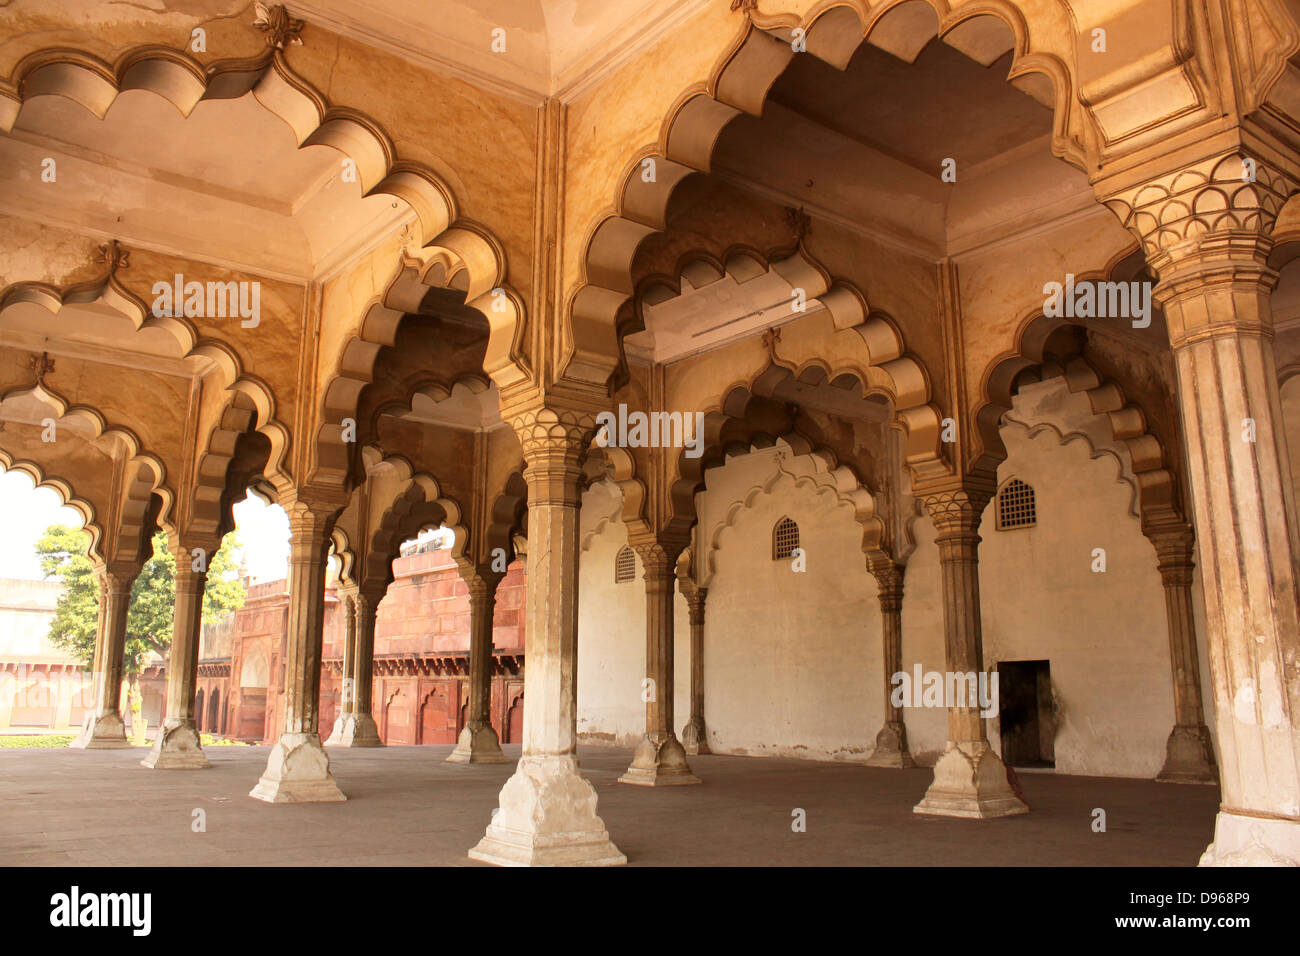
(62, 552)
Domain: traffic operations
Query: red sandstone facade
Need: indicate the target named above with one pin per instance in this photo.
(421, 689)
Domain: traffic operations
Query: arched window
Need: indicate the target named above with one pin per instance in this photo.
(1016, 506)
(785, 539)
(624, 565)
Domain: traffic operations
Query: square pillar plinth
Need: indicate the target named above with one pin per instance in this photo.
(298, 771)
(354, 730)
(1253, 841)
(177, 747)
(547, 817)
(970, 781)
(659, 764)
(477, 744)
(101, 732)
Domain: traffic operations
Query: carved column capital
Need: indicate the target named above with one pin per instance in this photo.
(658, 555)
(1174, 555)
(957, 513)
(696, 599)
(555, 442)
(1206, 230)
(1233, 192)
(889, 580)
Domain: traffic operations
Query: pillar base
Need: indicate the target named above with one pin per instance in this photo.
(970, 781)
(298, 771)
(1253, 841)
(695, 740)
(1189, 757)
(354, 730)
(659, 764)
(547, 817)
(477, 743)
(102, 732)
(891, 747)
(177, 747)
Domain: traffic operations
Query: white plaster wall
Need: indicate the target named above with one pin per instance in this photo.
(792, 660)
(793, 663)
(1105, 634)
(611, 637)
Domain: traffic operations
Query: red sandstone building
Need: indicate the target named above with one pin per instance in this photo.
(421, 690)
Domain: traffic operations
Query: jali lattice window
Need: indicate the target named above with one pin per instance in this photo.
(785, 539)
(624, 565)
(1016, 506)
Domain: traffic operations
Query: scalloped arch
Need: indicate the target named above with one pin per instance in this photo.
(454, 251)
(210, 467)
(419, 489)
(740, 83)
(1158, 493)
(146, 476)
(446, 267)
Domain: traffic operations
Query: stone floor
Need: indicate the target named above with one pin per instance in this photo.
(408, 807)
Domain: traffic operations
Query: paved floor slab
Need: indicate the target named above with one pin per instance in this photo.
(407, 807)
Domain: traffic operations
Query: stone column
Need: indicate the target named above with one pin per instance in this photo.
(177, 746)
(103, 727)
(361, 729)
(660, 759)
(1206, 230)
(478, 742)
(548, 809)
(348, 606)
(298, 769)
(891, 743)
(970, 779)
(1189, 755)
(695, 738)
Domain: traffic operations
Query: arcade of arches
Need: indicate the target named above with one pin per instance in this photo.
(401, 266)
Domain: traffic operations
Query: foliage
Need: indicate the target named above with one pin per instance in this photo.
(35, 740)
(62, 552)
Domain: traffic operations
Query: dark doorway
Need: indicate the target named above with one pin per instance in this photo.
(1025, 713)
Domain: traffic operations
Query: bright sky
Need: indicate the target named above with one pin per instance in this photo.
(26, 511)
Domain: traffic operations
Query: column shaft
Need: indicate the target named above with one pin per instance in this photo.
(660, 759)
(970, 779)
(178, 745)
(548, 809)
(297, 770)
(1189, 756)
(478, 741)
(695, 735)
(1220, 325)
(103, 727)
(891, 742)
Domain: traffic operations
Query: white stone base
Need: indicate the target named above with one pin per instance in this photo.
(298, 771)
(1189, 757)
(659, 764)
(354, 730)
(547, 817)
(478, 745)
(695, 740)
(102, 732)
(891, 749)
(177, 747)
(1253, 841)
(970, 781)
